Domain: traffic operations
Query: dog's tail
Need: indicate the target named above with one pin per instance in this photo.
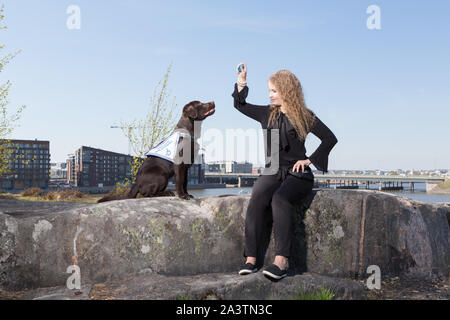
(131, 195)
(110, 198)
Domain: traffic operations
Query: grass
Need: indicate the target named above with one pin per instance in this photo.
(182, 297)
(53, 197)
(444, 185)
(320, 294)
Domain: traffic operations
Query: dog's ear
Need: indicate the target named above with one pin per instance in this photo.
(190, 110)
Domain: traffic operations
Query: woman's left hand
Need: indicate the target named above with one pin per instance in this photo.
(301, 164)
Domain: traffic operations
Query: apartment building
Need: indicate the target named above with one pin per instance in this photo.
(29, 165)
(91, 167)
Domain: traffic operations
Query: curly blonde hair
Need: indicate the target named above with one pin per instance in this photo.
(291, 93)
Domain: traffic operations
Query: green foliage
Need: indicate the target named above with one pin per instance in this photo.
(147, 131)
(7, 120)
(135, 165)
(321, 294)
(120, 189)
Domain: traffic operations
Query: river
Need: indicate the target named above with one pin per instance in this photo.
(418, 194)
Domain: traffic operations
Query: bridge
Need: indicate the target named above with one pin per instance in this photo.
(340, 181)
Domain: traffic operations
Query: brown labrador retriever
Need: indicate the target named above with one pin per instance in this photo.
(154, 174)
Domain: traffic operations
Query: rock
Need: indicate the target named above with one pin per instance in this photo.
(397, 234)
(58, 293)
(213, 286)
(340, 234)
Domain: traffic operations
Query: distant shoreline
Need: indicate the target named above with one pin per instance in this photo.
(438, 190)
(442, 188)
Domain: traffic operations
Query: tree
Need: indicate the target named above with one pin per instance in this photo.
(7, 121)
(146, 132)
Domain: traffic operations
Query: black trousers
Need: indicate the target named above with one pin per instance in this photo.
(282, 192)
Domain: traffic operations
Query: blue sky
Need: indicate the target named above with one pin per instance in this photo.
(384, 93)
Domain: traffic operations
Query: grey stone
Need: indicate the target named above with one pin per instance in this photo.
(336, 233)
(212, 286)
(59, 293)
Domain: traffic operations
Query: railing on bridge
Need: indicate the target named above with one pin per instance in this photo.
(347, 181)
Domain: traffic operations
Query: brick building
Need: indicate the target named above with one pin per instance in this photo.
(29, 165)
(91, 167)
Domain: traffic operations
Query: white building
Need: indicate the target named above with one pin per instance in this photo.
(229, 167)
(58, 170)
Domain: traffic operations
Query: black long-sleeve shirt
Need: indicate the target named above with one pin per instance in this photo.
(292, 148)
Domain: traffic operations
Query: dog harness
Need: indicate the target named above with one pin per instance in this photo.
(167, 148)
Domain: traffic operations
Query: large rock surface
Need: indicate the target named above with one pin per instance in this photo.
(211, 286)
(340, 234)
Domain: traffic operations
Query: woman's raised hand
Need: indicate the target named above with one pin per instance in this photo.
(242, 74)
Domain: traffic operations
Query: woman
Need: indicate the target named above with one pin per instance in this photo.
(289, 114)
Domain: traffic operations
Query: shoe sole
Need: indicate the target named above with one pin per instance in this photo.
(274, 276)
(247, 271)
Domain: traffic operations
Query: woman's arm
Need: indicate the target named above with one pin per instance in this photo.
(240, 93)
(320, 157)
(255, 112)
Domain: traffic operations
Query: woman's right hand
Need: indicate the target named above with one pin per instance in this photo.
(243, 74)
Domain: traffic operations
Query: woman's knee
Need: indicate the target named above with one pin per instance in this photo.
(256, 206)
(279, 198)
(260, 196)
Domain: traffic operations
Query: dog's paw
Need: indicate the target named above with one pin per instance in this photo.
(190, 195)
(184, 196)
(165, 193)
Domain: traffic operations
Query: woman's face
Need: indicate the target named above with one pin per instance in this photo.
(273, 95)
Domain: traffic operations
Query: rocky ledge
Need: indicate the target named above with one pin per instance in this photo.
(338, 234)
(211, 286)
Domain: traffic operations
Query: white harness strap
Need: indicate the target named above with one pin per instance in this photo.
(167, 148)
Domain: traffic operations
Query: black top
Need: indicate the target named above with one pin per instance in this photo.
(292, 148)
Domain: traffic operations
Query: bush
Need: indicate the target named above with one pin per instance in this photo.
(120, 189)
(64, 195)
(32, 192)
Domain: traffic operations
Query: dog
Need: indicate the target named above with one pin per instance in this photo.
(154, 174)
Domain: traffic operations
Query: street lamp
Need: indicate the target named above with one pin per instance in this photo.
(129, 133)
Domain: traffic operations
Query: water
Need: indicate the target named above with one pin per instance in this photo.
(419, 193)
(220, 191)
(423, 196)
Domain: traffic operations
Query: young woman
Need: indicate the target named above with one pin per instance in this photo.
(282, 190)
